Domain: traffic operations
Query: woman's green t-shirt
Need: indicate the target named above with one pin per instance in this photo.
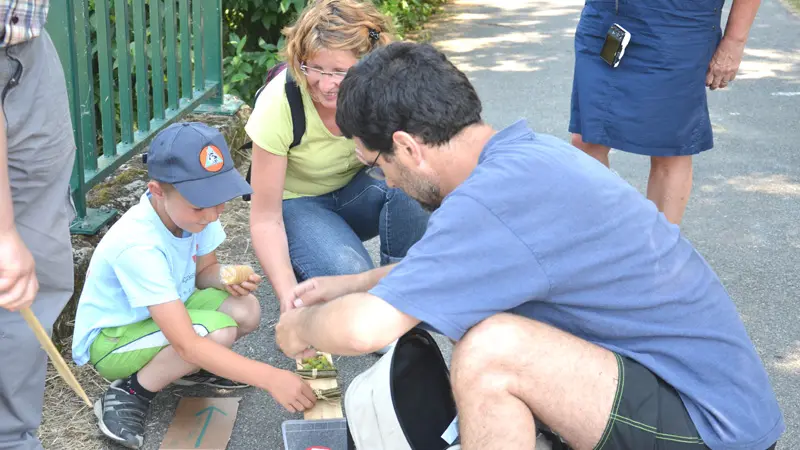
(321, 164)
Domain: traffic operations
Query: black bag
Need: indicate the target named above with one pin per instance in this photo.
(295, 98)
(404, 401)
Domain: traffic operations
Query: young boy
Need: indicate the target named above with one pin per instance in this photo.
(153, 309)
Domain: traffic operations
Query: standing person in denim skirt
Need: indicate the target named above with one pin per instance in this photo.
(37, 150)
(314, 204)
(654, 102)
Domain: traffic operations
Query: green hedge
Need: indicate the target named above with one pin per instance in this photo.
(253, 31)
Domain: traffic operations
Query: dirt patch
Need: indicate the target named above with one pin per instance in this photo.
(66, 421)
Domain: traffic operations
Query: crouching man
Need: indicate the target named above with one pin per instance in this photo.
(573, 301)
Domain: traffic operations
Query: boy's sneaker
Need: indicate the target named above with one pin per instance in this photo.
(121, 415)
(209, 379)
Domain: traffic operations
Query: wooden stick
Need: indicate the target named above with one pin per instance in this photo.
(55, 356)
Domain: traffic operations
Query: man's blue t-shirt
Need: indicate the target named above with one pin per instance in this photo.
(545, 231)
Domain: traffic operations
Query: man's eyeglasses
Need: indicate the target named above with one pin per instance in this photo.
(375, 171)
(372, 170)
(319, 72)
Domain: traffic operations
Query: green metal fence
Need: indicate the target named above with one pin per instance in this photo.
(114, 54)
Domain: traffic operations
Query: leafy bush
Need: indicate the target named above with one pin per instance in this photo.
(253, 30)
(409, 15)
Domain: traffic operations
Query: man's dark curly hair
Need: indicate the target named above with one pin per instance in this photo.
(405, 87)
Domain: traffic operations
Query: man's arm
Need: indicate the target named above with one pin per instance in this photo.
(18, 282)
(323, 289)
(728, 56)
(351, 325)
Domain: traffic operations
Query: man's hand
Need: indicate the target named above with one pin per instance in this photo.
(323, 289)
(291, 391)
(287, 338)
(725, 63)
(245, 287)
(18, 283)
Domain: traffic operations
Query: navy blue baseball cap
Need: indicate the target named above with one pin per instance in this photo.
(194, 158)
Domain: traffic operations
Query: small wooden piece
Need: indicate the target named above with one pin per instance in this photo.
(235, 274)
(55, 357)
(323, 409)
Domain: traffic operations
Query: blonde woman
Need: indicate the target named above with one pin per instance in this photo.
(315, 203)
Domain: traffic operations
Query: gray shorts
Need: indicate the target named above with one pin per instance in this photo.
(41, 152)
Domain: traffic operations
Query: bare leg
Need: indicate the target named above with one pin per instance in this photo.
(596, 151)
(167, 366)
(508, 369)
(246, 311)
(670, 184)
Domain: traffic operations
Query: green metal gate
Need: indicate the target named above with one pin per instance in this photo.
(143, 49)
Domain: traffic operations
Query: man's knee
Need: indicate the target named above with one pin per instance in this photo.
(489, 346)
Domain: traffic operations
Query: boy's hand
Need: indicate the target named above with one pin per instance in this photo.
(288, 389)
(245, 287)
(18, 282)
(239, 280)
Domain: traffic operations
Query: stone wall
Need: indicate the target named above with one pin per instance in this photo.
(123, 190)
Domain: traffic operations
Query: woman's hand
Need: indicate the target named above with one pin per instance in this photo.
(725, 63)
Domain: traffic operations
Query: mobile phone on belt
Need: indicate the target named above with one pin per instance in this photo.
(617, 39)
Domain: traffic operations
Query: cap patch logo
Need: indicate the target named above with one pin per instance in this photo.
(211, 158)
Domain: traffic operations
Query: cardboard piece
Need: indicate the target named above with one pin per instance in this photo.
(200, 422)
(323, 409)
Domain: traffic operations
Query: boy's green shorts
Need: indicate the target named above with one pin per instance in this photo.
(121, 351)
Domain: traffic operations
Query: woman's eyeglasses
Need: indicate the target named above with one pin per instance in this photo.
(320, 73)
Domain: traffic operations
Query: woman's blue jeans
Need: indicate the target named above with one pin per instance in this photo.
(326, 232)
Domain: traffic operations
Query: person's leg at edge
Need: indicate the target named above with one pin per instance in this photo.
(566, 382)
(596, 151)
(41, 151)
(670, 185)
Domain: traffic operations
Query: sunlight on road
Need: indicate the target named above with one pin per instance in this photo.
(769, 63)
(791, 361)
(769, 184)
(464, 45)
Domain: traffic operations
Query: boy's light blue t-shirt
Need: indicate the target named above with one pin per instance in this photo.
(138, 263)
(542, 230)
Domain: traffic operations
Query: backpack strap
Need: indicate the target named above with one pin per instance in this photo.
(295, 98)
